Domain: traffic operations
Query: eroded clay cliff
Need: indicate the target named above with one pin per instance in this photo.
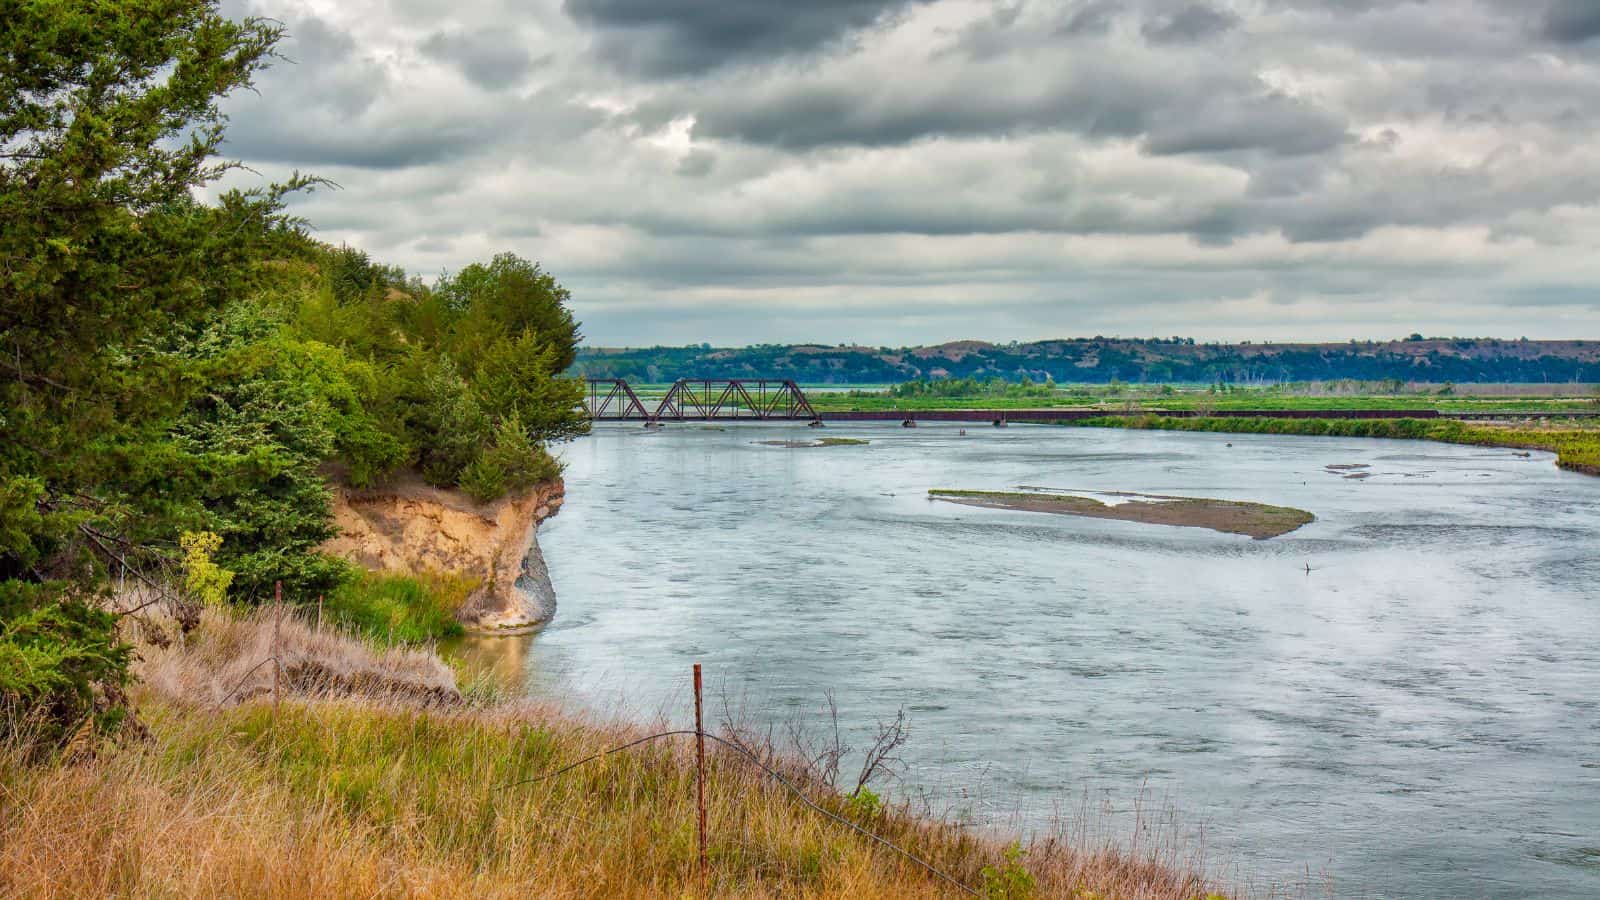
(411, 527)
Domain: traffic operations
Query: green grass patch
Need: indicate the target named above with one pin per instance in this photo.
(399, 608)
(1159, 398)
(1576, 448)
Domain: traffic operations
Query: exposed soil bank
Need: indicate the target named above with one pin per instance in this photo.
(410, 527)
(1258, 520)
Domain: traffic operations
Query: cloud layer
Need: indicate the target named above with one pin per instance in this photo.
(902, 171)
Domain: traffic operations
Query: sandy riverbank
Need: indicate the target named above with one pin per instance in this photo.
(1257, 520)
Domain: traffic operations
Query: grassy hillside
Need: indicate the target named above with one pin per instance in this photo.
(388, 784)
(1102, 360)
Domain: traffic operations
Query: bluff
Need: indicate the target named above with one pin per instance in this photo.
(1101, 360)
(408, 526)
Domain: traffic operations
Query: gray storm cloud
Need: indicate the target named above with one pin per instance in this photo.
(899, 171)
(675, 37)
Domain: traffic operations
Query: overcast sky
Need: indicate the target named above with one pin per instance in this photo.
(914, 171)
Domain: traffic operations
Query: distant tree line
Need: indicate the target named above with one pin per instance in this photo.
(1104, 360)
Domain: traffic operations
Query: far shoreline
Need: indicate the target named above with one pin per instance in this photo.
(1577, 449)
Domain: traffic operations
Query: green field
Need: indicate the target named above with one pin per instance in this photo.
(1576, 447)
(1161, 398)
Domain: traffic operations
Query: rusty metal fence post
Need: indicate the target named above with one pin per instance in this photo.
(700, 774)
(277, 665)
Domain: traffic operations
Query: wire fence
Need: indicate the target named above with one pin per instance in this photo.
(754, 760)
(740, 752)
(700, 735)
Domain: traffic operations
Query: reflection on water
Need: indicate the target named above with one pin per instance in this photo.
(1414, 716)
(500, 661)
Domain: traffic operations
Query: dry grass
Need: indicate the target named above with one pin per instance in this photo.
(357, 797)
(225, 660)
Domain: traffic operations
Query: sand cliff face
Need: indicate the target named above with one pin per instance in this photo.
(410, 527)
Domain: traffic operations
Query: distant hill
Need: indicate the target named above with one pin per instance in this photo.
(1101, 360)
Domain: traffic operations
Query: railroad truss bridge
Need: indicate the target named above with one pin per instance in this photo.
(614, 400)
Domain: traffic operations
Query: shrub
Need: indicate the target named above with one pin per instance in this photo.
(1010, 880)
(449, 414)
(205, 581)
(61, 665)
(864, 805)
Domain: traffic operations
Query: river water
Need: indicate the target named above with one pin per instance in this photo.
(1418, 715)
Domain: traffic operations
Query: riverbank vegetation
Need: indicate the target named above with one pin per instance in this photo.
(1220, 397)
(172, 367)
(408, 609)
(374, 775)
(1577, 447)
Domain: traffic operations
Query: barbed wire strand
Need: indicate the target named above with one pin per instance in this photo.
(752, 758)
(741, 751)
(252, 671)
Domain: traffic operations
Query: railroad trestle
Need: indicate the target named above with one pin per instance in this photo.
(614, 400)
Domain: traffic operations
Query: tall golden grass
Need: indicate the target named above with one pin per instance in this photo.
(364, 797)
(226, 660)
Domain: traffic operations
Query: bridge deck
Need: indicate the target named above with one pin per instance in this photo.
(1075, 415)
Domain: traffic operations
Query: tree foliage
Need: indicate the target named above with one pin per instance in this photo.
(169, 366)
(108, 119)
(453, 365)
(1103, 360)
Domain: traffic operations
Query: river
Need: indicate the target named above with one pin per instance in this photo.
(1415, 716)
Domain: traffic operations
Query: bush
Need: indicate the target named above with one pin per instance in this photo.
(61, 665)
(864, 805)
(203, 579)
(1011, 880)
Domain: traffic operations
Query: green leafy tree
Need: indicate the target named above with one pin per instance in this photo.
(514, 462)
(508, 297)
(447, 415)
(108, 121)
(172, 367)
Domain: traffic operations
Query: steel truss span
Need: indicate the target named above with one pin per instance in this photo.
(614, 400)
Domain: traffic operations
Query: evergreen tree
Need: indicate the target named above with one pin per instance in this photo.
(108, 120)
